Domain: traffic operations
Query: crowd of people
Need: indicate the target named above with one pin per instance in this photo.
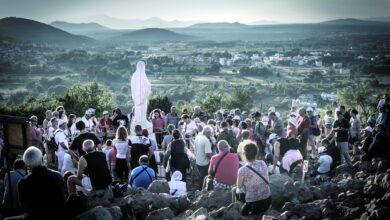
(229, 151)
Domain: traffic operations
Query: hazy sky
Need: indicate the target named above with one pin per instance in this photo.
(207, 10)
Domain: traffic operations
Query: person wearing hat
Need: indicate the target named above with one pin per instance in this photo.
(87, 119)
(291, 128)
(177, 187)
(324, 162)
(119, 119)
(62, 142)
(286, 151)
(105, 126)
(367, 144)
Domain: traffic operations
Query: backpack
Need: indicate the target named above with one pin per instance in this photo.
(51, 144)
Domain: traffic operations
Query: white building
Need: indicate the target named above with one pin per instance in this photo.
(345, 71)
(337, 65)
(304, 101)
(318, 63)
(329, 96)
(225, 62)
(260, 64)
(255, 57)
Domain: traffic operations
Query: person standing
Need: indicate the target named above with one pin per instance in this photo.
(354, 130)
(62, 143)
(311, 137)
(172, 117)
(328, 122)
(122, 147)
(158, 126)
(176, 155)
(105, 125)
(303, 128)
(139, 145)
(203, 153)
(340, 130)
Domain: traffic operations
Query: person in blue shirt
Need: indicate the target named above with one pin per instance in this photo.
(142, 176)
(324, 162)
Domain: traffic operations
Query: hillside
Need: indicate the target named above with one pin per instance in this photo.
(78, 28)
(36, 32)
(152, 34)
(352, 21)
(220, 25)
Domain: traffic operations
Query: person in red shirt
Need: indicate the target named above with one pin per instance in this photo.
(226, 175)
(303, 127)
(158, 126)
(105, 125)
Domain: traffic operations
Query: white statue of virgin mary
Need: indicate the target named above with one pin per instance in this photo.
(140, 91)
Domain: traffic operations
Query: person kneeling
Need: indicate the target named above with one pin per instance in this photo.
(324, 162)
(142, 176)
(176, 186)
(254, 181)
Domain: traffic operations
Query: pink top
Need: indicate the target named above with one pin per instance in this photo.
(251, 134)
(303, 122)
(158, 124)
(227, 169)
(112, 156)
(292, 130)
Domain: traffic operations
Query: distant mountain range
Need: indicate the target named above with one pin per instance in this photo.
(351, 21)
(263, 22)
(383, 19)
(219, 25)
(153, 22)
(32, 31)
(152, 34)
(80, 28)
(36, 32)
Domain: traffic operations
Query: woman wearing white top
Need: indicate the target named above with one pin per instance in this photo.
(121, 144)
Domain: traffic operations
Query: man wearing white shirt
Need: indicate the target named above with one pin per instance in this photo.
(189, 129)
(87, 120)
(202, 147)
(62, 142)
(189, 126)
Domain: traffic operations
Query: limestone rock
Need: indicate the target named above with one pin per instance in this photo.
(277, 185)
(100, 197)
(159, 186)
(214, 199)
(96, 213)
(161, 214)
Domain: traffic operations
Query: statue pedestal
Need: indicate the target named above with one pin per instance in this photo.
(145, 124)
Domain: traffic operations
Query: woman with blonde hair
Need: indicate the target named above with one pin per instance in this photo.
(121, 144)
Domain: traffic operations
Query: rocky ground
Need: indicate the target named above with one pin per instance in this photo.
(360, 192)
